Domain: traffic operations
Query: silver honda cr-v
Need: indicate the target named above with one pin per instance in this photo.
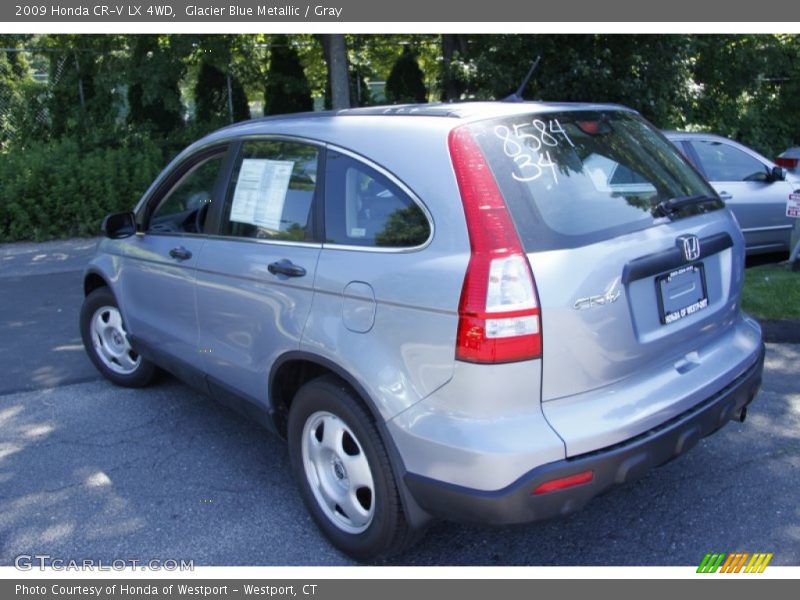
(489, 311)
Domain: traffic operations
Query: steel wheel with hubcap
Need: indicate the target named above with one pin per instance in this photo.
(110, 341)
(338, 472)
(106, 341)
(343, 471)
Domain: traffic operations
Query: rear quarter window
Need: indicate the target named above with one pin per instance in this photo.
(365, 208)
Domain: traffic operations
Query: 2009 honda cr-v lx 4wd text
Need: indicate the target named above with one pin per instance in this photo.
(488, 312)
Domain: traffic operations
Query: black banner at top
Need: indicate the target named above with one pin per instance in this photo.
(453, 11)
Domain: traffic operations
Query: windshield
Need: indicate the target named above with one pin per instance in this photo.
(575, 178)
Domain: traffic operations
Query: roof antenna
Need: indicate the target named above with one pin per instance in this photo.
(517, 96)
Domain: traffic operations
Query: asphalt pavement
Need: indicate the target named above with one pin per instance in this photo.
(89, 470)
(40, 296)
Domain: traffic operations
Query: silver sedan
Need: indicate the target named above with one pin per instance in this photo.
(752, 186)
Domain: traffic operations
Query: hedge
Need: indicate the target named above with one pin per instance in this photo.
(55, 190)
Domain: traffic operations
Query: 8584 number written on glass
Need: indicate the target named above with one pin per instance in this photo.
(529, 143)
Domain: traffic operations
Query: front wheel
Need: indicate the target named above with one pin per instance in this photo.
(344, 473)
(106, 342)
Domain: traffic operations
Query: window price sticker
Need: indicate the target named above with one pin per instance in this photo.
(793, 205)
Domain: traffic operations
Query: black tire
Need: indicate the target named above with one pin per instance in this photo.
(388, 532)
(140, 375)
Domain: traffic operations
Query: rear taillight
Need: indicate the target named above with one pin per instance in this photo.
(787, 163)
(499, 311)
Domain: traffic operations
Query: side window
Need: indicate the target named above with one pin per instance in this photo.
(364, 208)
(185, 207)
(271, 191)
(723, 162)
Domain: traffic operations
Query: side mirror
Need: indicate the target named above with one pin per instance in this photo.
(777, 174)
(119, 225)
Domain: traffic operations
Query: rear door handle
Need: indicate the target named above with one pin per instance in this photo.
(286, 267)
(180, 253)
(725, 196)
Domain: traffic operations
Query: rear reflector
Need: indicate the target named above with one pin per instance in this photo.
(564, 482)
(499, 311)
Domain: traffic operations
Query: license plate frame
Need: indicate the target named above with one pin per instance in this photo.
(669, 286)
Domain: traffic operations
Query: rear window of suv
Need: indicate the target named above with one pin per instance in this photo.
(580, 177)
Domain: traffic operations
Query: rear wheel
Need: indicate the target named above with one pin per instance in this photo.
(106, 342)
(343, 471)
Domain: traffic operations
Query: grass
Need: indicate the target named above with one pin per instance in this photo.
(772, 292)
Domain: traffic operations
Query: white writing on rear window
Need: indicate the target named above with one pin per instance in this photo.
(527, 144)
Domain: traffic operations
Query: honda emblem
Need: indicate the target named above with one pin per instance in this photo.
(690, 245)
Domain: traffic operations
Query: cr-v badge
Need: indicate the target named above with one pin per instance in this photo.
(612, 294)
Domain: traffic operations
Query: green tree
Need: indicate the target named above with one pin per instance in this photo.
(219, 97)
(23, 101)
(156, 67)
(10, 97)
(312, 57)
(83, 77)
(406, 81)
(221, 68)
(287, 89)
(647, 72)
(787, 83)
(453, 47)
(746, 87)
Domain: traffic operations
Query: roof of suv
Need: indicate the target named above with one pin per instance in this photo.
(413, 127)
(457, 110)
(468, 110)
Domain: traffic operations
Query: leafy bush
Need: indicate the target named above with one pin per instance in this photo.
(55, 190)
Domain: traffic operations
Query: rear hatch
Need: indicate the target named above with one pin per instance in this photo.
(636, 261)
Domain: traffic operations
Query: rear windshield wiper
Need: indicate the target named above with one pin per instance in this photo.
(667, 208)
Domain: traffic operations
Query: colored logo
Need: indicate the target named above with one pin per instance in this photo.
(737, 562)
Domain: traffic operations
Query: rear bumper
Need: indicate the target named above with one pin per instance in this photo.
(614, 465)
